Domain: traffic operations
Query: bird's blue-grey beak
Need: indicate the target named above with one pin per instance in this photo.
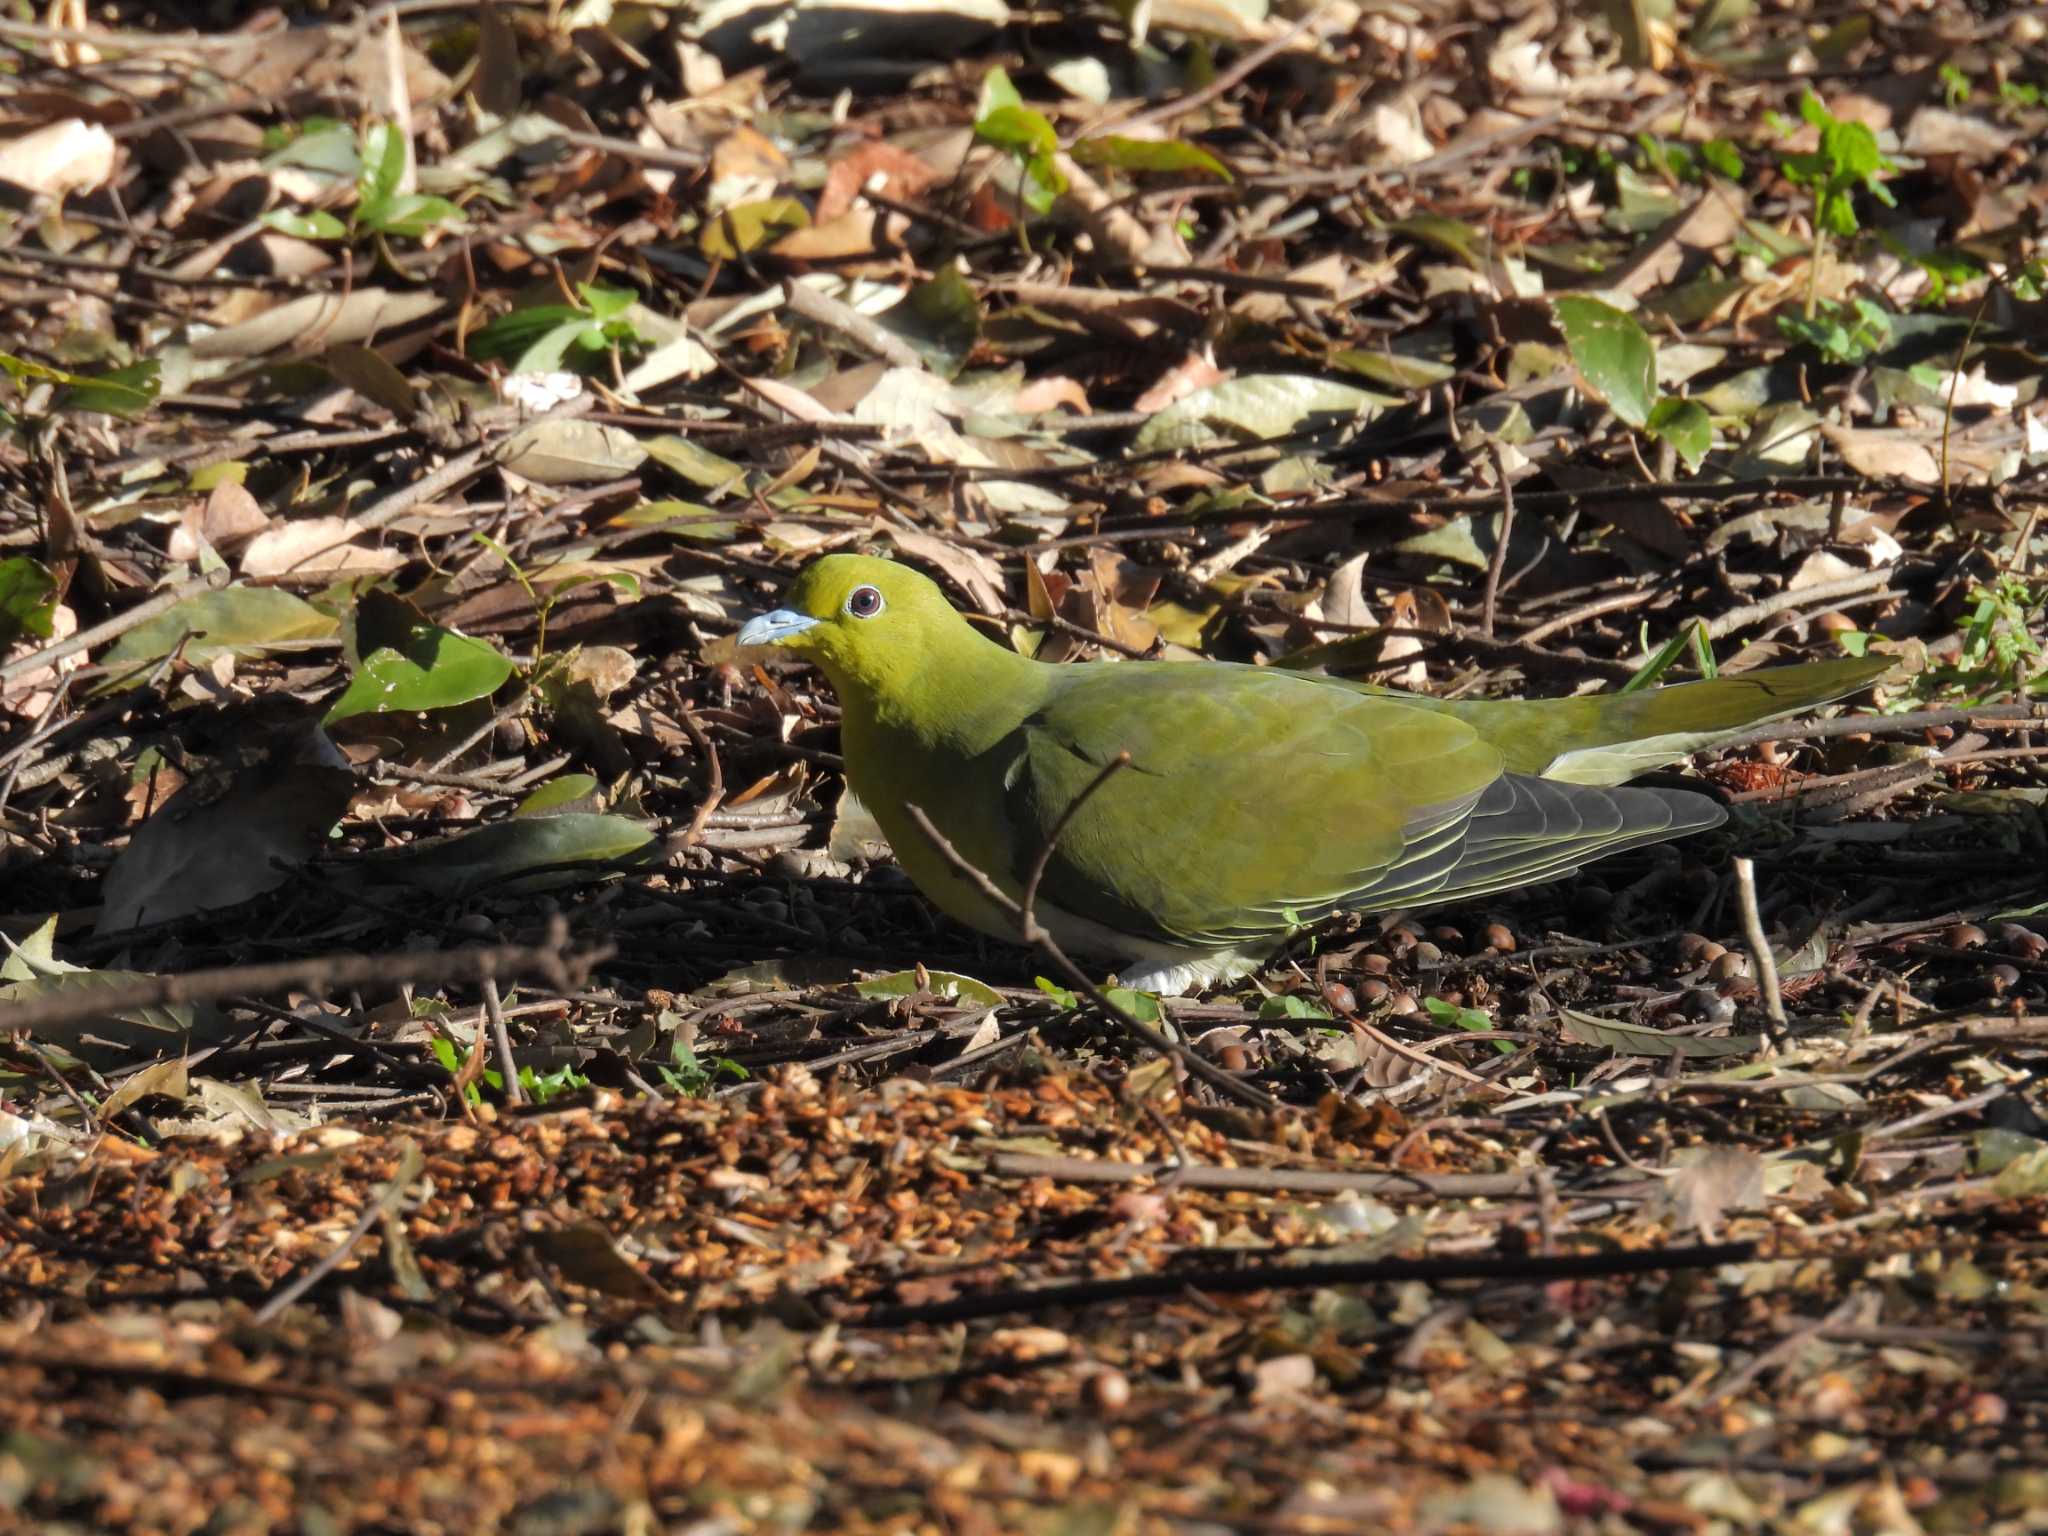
(773, 628)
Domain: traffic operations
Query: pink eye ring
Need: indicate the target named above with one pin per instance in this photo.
(864, 602)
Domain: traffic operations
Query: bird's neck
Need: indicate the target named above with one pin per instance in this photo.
(964, 693)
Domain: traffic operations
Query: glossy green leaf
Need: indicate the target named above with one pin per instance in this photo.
(997, 92)
(1019, 130)
(383, 169)
(414, 214)
(322, 144)
(1613, 353)
(436, 669)
(28, 600)
(517, 333)
(316, 225)
(244, 620)
(1287, 1005)
(552, 796)
(1170, 155)
(1685, 425)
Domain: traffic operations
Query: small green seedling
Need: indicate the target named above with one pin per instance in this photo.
(1842, 333)
(1002, 119)
(1848, 161)
(690, 1076)
(545, 338)
(381, 210)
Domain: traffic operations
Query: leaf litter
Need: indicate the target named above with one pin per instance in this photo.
(400, 412)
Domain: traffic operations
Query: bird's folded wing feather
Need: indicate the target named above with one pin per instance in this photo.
(1255, 802)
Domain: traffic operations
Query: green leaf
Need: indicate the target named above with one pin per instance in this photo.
(319, 144)
(517, 332)
(244, 620)
(413, 215)
(1613, 353)
(556, 793)
(996, 93)
(749, 226)
(1852, 149)
(1059, 994)
(1289, 1006)
(28, 600)
(1477, 1020)
(121, 392)
(606, 303)
(1665, 658)
(1142, 1006)
(1685, 425)
(382, 170)
(317, 225)
(1723, 158)
(948, 984)
(1169, 155)
(1043, 183)
(1019, 130)
(436, 669)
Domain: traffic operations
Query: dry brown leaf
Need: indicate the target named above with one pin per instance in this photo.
(314, 546)
(227, 517)
(318, 320)
(971, 571)
(1193, 372)
(70, 156)
(895, 173)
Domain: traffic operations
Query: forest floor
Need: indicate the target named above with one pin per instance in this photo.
(464, 1067)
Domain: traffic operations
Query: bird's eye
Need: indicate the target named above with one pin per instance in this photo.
(864, 602)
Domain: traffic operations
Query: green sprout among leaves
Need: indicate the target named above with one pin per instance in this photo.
(1848, 161)
(690, 1076)
(1842, 332)
(539, 1087)
(381, 210)
(543, 338)
(1002, 119)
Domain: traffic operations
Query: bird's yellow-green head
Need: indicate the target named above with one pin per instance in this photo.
(869, 623)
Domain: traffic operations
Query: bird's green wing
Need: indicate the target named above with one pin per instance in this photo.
(1604, 738)
(1257, 801)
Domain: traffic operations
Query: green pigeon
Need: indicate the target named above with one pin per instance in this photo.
(1256, 801)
